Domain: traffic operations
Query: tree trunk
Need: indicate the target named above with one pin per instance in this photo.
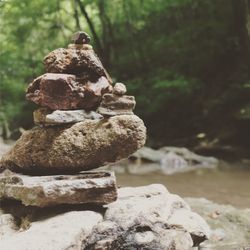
(76, 15)
(248, 17)
(92, 28)
(241, 28)
(107, 32)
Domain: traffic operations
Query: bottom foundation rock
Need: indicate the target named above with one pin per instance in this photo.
(147, 218)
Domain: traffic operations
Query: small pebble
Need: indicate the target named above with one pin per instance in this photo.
(119, 89)
(80, 37)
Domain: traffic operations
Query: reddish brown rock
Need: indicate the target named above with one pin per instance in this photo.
(75, 60)
(65, 91)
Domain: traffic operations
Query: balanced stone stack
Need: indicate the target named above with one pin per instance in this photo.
(83, 123)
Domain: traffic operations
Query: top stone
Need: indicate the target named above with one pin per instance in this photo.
(81, 37)
(78, 59)
(75, 78)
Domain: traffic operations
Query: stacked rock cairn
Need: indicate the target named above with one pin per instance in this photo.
(51, 198)
(84, 122)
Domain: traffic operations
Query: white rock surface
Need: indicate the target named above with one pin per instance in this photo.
(61, 232)
(146, 217)
(141, 219)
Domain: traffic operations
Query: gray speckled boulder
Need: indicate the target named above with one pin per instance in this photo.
(81, 146)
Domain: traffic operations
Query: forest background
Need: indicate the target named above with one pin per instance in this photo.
(186, 61)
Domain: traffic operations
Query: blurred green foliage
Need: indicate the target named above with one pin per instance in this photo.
(186, 61)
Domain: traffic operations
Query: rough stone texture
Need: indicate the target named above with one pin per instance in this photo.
(145, 218)
(61, 232)
(119, 89)
(230, 227)
(166, 160)
(65, 91)
(112, 105)
(74, 60)
(81, 146)
(141, 218)
(89, 187)
(46, 117)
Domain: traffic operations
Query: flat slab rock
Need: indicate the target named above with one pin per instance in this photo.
(89, 187)
(113, 104)
(46, 117)
(78, 147)
(66, 91)
(142, 218)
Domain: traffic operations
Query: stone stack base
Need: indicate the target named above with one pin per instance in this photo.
(146, 217)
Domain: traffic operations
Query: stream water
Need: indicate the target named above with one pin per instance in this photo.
(225, 185)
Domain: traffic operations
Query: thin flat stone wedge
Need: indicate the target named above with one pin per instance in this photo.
(89, 187)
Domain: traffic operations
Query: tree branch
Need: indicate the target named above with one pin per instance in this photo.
(91, 27)
(76, 15)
